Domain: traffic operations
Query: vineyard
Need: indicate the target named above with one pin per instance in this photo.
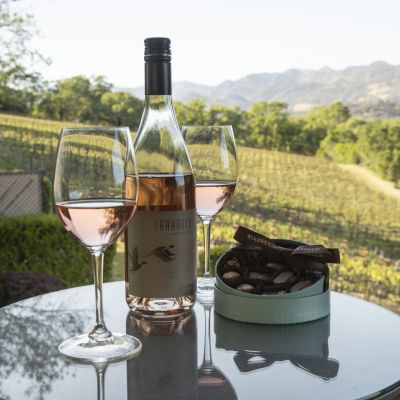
(281, 195)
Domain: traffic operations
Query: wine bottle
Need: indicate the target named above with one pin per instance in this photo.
(160, 241)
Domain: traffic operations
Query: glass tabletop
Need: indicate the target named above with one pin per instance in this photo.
(352, 354)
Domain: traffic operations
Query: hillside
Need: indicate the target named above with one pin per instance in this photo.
(301, 89)
(281, 195)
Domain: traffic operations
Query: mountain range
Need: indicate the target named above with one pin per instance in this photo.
(301, 89)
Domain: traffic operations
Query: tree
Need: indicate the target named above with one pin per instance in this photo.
(195, 112)
(328, 116)
(341, 141)
(221, 115)
(74, 99)
(191, 113)
(319, 121)
(256, 118)
(120, 108)
(18, 82)
(68, 100)
(98, 87)
(269, 125)
(379, 147)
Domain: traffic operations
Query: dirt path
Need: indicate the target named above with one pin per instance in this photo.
(372, 180)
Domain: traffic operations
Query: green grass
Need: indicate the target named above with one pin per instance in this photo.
(280, 195)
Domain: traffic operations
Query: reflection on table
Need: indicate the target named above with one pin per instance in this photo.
(30, 336)
(260, 346)
(212, 383)
(353, 354)
(167, 367)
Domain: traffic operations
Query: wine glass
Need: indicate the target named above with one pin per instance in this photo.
(212, 151)
(95, 192)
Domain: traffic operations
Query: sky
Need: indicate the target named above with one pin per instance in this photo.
(213, 40)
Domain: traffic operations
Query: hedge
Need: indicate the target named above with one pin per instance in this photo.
(40, 243)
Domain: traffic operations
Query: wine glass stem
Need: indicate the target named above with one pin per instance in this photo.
(100, 374)
(207, 361)
(99, 332)
(207, 237)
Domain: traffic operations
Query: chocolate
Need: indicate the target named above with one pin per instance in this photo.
(297, 256)
(283, 277)
(233, 264)
(262, 276)
(231, 278)
(252, 257)
(272, 268)
(259, 277)
(246, 287)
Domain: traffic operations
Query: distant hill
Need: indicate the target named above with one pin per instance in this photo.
(301, 89)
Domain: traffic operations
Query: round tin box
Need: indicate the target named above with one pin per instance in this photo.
(308, 304)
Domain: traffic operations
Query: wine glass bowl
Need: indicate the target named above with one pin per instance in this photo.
(94, 167)
(96, 223)
(212, 197)
(212, 151)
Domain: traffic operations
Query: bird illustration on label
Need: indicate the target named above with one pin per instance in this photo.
(164, 253)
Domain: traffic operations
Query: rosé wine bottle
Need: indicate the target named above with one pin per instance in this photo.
(160, 242)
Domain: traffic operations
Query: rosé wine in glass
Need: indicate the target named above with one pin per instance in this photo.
(213, 196)
(96, 222)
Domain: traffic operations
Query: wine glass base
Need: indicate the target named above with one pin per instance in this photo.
(85, 350)
(205, 289)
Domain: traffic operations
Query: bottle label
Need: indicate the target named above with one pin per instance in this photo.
(161, 253)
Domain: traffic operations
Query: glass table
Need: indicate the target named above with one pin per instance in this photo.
(353, 354)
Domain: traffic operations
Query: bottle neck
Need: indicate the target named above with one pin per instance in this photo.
(159, 112)
(157, 78)
(158, 102)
